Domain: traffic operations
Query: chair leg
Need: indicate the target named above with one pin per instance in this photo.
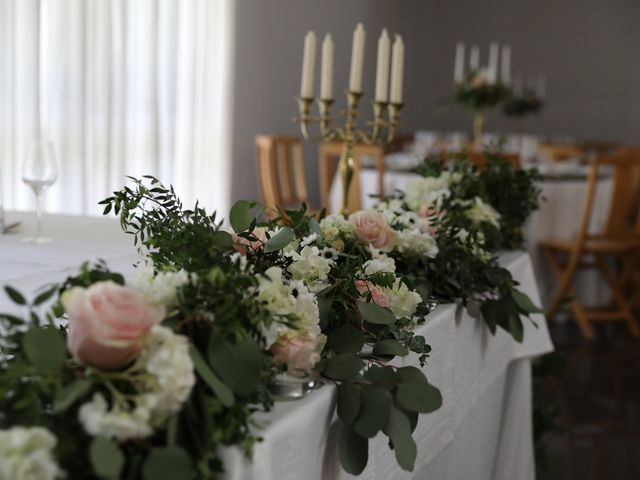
(565, 276)
(619, 296)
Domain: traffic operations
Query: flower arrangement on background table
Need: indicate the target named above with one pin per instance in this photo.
(147, 377)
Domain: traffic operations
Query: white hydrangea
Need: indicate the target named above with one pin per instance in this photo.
(402, 301)
(412, 240)
(428, 191)
(116, 422)
(481, 211)
(311, 266)
(164, 377)
(379, 262)
(290, 299)
(334, 228)
(161, 289)
(26, 453)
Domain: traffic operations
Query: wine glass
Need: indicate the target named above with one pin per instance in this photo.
(39, 171)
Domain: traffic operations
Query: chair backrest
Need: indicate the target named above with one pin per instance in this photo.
(560, 152)
(328, 155)
(281, 171)
(623, 218)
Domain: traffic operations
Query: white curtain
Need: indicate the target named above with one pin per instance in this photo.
(121, 87)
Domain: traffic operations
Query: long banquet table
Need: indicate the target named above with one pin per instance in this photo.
(482, 431)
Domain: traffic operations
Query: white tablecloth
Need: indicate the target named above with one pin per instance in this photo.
(482, 431)
(559, 216)
(76, 239)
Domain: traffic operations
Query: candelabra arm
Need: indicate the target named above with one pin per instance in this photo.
(379, 109)
(394, 120)
(304, 108)
(324, 106)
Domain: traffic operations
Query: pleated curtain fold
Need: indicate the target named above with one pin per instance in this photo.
(121, 88)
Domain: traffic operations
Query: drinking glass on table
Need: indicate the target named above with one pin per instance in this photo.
(39, 171)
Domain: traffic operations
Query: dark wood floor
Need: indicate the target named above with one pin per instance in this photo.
(587, 406)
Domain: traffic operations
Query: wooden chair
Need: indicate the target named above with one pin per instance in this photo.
(328, 156)
(281, 171)
(620, 240)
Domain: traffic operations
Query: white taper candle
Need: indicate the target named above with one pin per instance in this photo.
(492, 71)
(458, 71)
(397, 67)
(308, 64)
(382, 68)
(357, 59)
(505, 68)
(326, 80)
(474, 58)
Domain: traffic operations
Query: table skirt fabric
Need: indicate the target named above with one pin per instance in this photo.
(482, 431)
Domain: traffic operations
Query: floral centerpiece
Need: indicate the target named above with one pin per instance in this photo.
(148, 376)
(477, 95)
(523, 104)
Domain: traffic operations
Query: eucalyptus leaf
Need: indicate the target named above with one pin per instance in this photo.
(516, 328)
(353, 450)
(106, 458)
(376, 314)
(346, 339)
(44, 347)
(314, 226)
(374, 412)
(222, 391)
(382, 376)
(419, 397)
(324, 310)
(168, 463)
(222, 239)
(237, 363)
(390, 347)
(490, 313)
(240, 216)
(15, 295)
(349, 401)
(343, 367)
(280, 240)
(46, 295)
(398, 429)
(68, 395)
(524, 302)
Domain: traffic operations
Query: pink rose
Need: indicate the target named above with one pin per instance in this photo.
(299, 353)
(241, 244)
(107, 323)
(377, 296)
(372, 227)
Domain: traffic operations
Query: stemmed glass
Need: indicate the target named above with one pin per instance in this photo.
(39, 171)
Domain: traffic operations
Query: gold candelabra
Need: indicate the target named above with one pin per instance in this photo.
(350, 135)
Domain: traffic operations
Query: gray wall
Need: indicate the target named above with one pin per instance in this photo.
(587, 49)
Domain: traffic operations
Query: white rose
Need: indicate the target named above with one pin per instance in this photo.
(402, 301)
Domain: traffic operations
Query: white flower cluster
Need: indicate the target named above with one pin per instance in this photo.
(335, 228)
(402, 301)
(379, 262)
(413, 232)
(290, 299)
(27, 454)
(163, 375)
(428, 192)
(311, 265)
(480, 211)
(161, 289)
